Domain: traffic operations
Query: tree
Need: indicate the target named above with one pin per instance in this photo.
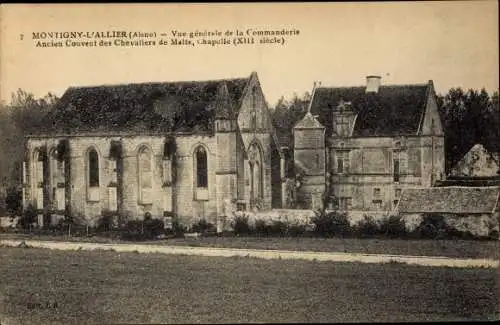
(468, 118)
(17, 119)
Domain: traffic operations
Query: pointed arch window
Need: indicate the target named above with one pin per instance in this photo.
(93, 168)
(93, 175)
(201, 167)
(200, 159)
(256, 173)
(39, 177)
(145, 175)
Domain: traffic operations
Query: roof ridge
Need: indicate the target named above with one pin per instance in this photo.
(156, 82)
(454, 187)
(381, 86)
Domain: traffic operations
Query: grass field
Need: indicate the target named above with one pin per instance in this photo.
(447, 248)
(39, 286)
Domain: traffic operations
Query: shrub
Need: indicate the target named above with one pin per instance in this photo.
(296, 230)
(367, 227)
(177, 228)
(493, 235)
(143, 229)
(278, 228)
(13, 200)
(260, 227)
(432, 226)
(153, 228)
(241, 226)
(332, 224)
(393, 226)
(28, 217)
(203, 226)
(106, 222)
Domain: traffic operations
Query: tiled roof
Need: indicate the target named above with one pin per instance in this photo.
(156, 107)
(394, 110)
(456, 200)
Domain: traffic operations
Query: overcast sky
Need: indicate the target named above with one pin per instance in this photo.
(453, 43)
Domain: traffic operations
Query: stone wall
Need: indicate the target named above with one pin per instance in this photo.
(183, 194)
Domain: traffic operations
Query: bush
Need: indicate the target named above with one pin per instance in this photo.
(367, 227)
(277, 228)
(13, 200)
(241, 226)
(296, 230)
(261, 227)
(332, 224)
(393, 226)
(177, 228)
(153, 228)
(143, 230)
(106, 222)
(432, 226)
(493, 235)
(203, 227)
(28, 217)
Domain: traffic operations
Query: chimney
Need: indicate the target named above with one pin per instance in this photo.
(372, 84)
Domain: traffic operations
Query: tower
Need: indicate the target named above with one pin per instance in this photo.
(309, 157)
(227, 150)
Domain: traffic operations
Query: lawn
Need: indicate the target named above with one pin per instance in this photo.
(40, 286)
(425, 247)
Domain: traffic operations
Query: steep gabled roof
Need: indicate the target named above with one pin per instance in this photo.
(394, 110)
(187, 106)
(456, 200)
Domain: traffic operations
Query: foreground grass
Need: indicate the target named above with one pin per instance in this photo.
(39, 286)
(447, 248)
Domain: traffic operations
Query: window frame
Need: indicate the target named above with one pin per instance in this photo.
(93, 189)
(342, 156)
(145, 193)
(201, 189)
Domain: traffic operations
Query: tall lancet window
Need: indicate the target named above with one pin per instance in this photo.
(39, 177)
(145, 175)
(93, 175)
(256, 172)
(200, 159)
(201, 167)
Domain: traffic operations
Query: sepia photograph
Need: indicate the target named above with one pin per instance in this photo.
(218, 163)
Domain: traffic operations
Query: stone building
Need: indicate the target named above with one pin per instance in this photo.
(194, 149)
(379, 140)
(467, 208)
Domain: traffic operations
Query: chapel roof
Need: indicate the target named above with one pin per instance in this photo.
(185, 106)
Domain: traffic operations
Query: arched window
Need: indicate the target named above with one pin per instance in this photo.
(93, 161)
(201, 167)
(145, 174)
(93, 175)
(256, 172)
(38, 178)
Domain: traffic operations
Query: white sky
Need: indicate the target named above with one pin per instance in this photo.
(453, 43)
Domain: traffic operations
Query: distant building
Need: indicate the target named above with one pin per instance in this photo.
(186, 148)
(474, 209)
(478, 162)
(367, 144)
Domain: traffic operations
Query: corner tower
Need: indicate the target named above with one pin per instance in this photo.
(226, 126)
(309, 156)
